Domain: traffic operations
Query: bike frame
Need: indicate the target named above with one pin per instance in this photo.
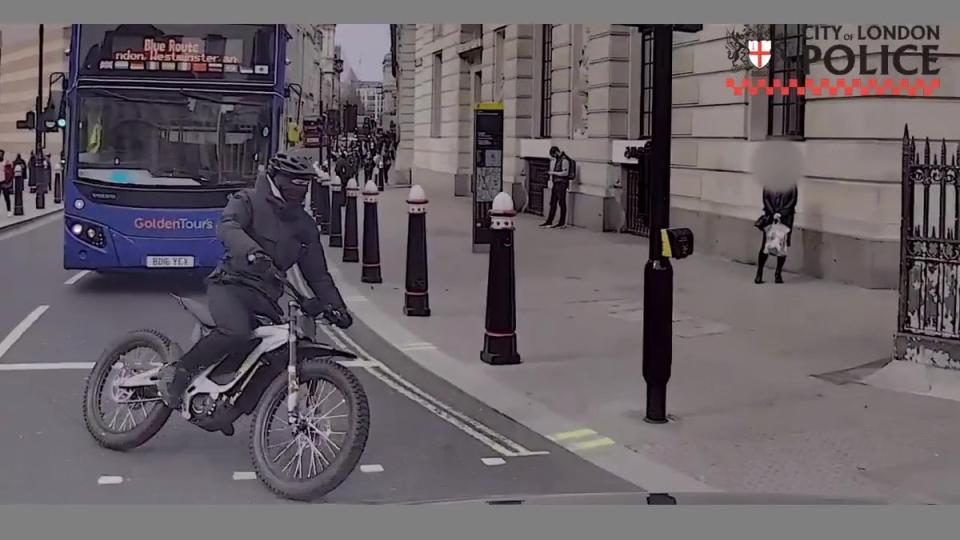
(272, 337)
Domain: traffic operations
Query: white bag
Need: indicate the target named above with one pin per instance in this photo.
(776, 238)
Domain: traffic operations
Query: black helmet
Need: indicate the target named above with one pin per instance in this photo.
(290, 166)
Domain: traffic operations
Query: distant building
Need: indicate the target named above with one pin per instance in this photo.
(389, 93)
(371, 100)
(588, 89)
(18, 84)
(310, 52)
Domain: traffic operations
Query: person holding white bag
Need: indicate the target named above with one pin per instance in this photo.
(779, 209)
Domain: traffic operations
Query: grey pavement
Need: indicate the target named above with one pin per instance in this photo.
(751, 407)
(428, 440)
(30, 211)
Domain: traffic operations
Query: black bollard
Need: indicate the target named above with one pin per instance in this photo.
(323, 202)
(378, 172)
(336, 218)
(371, 236)
(416, 300)
(351, 240)
(58, 188)
(500, 338)
(18, 190)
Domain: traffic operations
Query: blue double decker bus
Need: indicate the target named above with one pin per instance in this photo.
(164, 122)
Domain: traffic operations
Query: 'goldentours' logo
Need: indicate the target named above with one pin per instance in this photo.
(861, 59)
(167, 224)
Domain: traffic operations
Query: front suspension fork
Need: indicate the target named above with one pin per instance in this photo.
(293, 381)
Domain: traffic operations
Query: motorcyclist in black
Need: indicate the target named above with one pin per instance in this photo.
(265, 231)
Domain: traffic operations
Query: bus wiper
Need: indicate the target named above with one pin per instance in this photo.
(180, 173)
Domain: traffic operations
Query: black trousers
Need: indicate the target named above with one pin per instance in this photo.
(6, 196)
(234, 309)
(558, 197)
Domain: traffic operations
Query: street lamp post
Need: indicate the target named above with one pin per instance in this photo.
(658, 272)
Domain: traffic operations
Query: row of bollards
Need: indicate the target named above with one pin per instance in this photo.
(500, 338)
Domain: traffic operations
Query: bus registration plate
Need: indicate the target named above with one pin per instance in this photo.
(169, 261)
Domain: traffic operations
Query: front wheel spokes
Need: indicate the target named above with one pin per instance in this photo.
(312, 433)
(127, 400)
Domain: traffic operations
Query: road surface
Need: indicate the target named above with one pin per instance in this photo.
(428, 440)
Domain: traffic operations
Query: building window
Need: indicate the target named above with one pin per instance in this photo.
(437, 31)
(640, 110)
(786, 112)
(546, 81)
(435, 96)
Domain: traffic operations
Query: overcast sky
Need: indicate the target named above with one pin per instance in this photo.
(363, 47)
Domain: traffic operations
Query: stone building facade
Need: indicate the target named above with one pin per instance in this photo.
(588, 89)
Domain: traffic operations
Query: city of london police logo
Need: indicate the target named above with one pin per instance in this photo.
(862, 60)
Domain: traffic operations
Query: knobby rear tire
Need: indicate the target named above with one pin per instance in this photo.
(346, 460)
(167, 349)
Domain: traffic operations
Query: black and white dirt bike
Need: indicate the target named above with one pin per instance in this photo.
(300, 453)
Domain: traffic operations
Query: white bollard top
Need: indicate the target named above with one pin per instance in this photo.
(335, 183)
(370, 188)
(503, 204)
(416, 195)
(352, 185)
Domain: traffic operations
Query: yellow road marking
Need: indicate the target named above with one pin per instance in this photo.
(576, 434)
(587, 445)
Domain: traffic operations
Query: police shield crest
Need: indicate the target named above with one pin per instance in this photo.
(759, 52)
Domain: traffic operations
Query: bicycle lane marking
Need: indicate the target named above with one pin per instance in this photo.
(497, 442)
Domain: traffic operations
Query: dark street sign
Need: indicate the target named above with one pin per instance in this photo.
(487, 166)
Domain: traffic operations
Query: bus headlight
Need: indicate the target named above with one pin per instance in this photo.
(89, 233)
(78, 204)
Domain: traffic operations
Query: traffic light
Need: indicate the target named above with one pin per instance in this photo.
(29, 122)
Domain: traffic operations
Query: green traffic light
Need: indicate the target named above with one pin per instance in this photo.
(61, 122)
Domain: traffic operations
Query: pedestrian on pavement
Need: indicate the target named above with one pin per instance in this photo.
(6, 181)
(776, 223)
(31, 172)
(560, 176)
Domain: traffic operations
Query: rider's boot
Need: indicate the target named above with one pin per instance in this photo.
(173, 387)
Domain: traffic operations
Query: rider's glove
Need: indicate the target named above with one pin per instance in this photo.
(338, 318)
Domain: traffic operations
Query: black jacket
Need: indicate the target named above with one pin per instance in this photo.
(257, 220)
(782, 202)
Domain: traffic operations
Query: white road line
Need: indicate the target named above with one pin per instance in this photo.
(244, 475)
(76, 277)
(352, 299)
(492, 461)
(418, 346)
(371, 468)
(21, 329)
(109, 480)
(47, 366)
(495, 441)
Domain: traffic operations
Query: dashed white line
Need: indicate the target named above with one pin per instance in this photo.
(76, 277)
(47, 366)
(109, 480)
(21, 329)
(492, 461)
(373, 468)
(244, 475)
